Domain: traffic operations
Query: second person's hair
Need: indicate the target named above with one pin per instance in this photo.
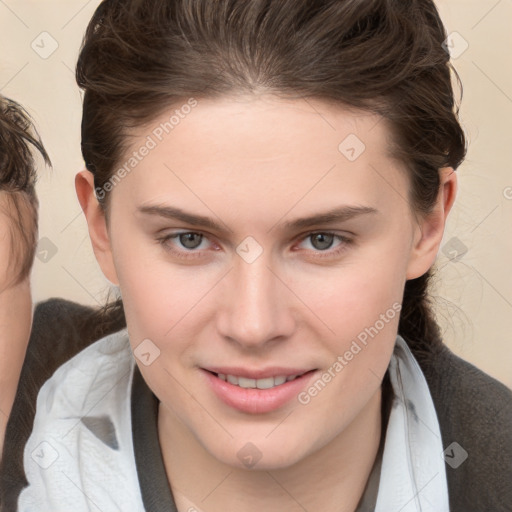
(18, 139)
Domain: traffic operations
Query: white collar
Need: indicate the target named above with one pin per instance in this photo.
(60, 448)
(413, 473)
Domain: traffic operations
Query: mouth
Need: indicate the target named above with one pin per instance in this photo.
(257, 392)
(265, 383)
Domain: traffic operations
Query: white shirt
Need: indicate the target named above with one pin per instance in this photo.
(80, 455)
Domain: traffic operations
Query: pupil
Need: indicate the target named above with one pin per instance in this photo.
(187, 239)
(324, 239)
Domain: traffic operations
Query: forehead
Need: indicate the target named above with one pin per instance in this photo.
(263, 148)
(261, 127)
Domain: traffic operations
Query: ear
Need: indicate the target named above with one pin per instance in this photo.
(430, 229)
(96, 220)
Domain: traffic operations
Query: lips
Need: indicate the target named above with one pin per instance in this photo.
(258, 391)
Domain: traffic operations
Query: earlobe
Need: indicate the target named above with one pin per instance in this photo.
(429, 232)
(96, 221)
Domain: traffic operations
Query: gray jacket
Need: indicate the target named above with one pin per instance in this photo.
(474, 410)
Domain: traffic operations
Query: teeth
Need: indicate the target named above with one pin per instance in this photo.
(246, 383)
(280, 380)
(267, 383)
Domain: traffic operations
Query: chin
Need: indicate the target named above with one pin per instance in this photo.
(259, 454)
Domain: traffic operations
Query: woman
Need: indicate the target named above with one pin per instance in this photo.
(267, 184)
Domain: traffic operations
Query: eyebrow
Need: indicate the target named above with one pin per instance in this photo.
(340, 214)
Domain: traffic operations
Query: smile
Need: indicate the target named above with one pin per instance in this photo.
(267, 383)
(257, 391)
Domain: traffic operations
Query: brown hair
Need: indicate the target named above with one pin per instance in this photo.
(140, 57)
(18, 178)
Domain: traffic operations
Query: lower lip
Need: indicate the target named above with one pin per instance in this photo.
(257, 401)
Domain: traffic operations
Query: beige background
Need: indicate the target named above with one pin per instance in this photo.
(474, 286)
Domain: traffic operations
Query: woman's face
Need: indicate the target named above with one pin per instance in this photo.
(263, 239)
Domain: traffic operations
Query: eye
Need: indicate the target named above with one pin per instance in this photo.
(185, 244)
(322, 241)
(188, 244)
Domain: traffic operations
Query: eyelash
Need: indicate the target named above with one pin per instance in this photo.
(193, 253)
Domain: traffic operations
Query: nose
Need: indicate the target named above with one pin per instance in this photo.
(256, 308)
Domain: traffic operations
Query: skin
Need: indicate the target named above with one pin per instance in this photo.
(15, 321)
(251, 164)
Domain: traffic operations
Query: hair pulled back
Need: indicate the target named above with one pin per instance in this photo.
(140, 57)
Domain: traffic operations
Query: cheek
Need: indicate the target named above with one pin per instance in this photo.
(153, 303)
(360, 305)
(159, 298)
(353, 297)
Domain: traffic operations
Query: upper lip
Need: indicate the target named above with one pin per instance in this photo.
(264, 373)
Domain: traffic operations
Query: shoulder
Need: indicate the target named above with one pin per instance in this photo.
(57, 315)
(82, 431)
(475, 418)
(60, 330)
(56, 335)
(80, 382)
(59, 306)
(470, 392)
(110, 354)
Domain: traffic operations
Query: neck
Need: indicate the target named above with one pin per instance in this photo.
(330, 479)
